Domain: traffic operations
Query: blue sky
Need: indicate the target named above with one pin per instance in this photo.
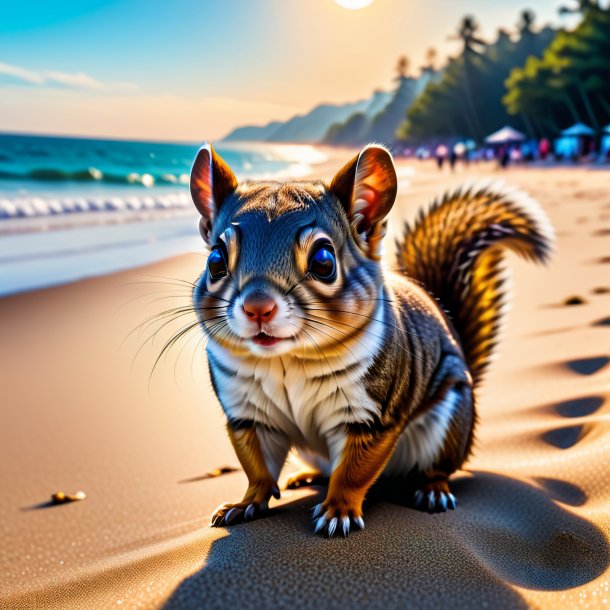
(194, 68)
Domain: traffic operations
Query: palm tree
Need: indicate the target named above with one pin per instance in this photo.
(526, 21)
(583, 7)
(467, 33)
(402, 67)
(431, 55)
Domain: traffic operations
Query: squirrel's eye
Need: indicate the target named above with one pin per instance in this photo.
(217, 265)
(322, 264)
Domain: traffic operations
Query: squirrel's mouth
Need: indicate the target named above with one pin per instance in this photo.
(266, 340)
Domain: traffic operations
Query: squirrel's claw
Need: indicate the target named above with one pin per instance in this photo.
(434, 495)
(434, 501)
(331, 522)
(232, 514)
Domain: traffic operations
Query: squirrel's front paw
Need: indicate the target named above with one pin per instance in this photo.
(231, 514)
(331, 518)
(255, 502)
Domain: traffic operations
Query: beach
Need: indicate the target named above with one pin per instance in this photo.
(83, 409)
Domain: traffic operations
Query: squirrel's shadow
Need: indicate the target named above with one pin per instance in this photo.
(504, 532)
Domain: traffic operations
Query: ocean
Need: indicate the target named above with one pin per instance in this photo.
(77, 207)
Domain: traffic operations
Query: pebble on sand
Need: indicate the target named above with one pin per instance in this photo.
(60, 497)
(575, 300)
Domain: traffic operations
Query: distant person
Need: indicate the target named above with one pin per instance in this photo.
(440, 153)
(544, 147)
(452, 160)
(504, 157)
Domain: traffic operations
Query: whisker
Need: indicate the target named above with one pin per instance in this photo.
(309, 323)
(184, 346)
(213, 296)
(168, 345)
(291, 289)
(177, 312)
(172, 279)
(363, 330)
(206, 336)
(362, 315)
(150, 294)
(364, 300)
(152, 337)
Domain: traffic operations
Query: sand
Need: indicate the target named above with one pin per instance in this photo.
(80, 411)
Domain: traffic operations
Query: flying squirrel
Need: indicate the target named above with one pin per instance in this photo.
(314, 345)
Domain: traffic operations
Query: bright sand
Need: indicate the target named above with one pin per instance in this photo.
(533, 519)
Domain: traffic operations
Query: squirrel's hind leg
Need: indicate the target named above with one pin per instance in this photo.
(310, 469)
(306, 478)
(432, 492)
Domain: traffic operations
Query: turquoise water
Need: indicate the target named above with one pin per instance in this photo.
(72, 208)
(37, 161)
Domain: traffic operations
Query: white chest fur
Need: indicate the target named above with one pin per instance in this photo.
(305, 399)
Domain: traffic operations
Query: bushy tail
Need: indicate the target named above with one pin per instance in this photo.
(454, 250)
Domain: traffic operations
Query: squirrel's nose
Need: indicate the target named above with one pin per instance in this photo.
(259, 307)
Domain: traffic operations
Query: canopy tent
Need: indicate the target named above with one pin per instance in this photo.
(605, 143)
(571, 143)
(578, 130)
(506, 135)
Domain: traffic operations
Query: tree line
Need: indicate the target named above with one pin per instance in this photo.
(538, 81)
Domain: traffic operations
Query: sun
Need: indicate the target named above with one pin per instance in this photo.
(354, 4)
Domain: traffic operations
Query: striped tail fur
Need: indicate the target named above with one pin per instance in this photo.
(455, 250)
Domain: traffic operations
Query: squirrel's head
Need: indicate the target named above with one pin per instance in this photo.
(293, 267)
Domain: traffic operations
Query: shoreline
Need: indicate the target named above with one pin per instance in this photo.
(117, 229)
(128, 231)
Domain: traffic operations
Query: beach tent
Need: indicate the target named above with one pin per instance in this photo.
(571, 141)
(578, 130)
(506, 135)
(605, 144)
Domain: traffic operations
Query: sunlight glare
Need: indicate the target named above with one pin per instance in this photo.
(354, 4)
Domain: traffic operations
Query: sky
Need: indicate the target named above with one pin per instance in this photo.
(194, 69)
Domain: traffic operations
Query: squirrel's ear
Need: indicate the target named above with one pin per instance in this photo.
(366, 186)
(211, 182)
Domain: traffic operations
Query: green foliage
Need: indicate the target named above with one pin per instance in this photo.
(571, 82)
(467, 101)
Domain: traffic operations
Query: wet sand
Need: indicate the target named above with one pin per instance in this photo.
(81, 411)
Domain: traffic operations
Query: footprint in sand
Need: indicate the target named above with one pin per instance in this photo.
(602, 322)
(566, 437)
(601, 233)
(577, 407)
(601, 290)
(604, 260)
(587, 366)
(562, 491)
